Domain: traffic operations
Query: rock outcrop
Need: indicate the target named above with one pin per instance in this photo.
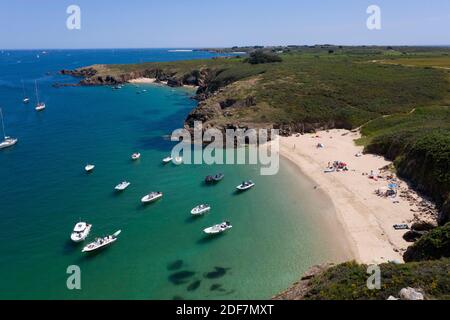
(298, 290)
(411, 294)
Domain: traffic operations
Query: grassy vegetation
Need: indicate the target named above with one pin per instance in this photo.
(419, 144)
(434, 245)
(344, 88)
(348, 281)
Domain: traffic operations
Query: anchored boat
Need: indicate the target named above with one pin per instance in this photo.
(136, 156)
(200, 210)
(218, 228)
(80, 231)
(7, 141)
(246, 185)
(39, 105)
(152, 197)
(89, 168)
(101, 242)
(214, 179)
(167, 160)
(122, 186)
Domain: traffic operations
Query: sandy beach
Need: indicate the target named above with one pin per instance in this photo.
(366, 217)
(143, 80)
(153, 80)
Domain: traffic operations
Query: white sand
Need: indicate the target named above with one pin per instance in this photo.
(143, 80)
(153, 80)
(367, 218)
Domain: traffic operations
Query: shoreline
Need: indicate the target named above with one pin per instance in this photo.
(144, 80)
(366, 218)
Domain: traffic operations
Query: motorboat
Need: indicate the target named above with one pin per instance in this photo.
(80, 231)
(167, 160)
(7, 141)
(136, 156)
(214, 179)
(101, 242)
(200, 210)
(122, 186)
(89, 168)
(246, 185)
(26, 100)
(218, 228)
(152, 197)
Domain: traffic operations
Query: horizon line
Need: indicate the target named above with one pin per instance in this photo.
(229, 47)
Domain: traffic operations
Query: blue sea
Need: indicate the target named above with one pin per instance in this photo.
(280, 228)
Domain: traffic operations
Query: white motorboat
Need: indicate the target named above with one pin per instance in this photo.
(218, 228)
(89, 168)
(122, 186)
(7, 141)
(39, 105)
(136, 156)
(167, 160)
(201, 209)
(80, 231)
(152, 197)
(26, 100)
(246, 185)
(101, 242)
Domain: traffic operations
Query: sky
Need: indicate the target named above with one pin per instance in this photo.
(26, 24)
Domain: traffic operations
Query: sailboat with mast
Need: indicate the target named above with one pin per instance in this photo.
(39, 105)
(7, 141)
(25, 97)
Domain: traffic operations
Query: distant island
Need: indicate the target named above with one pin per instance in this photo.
(395, 100)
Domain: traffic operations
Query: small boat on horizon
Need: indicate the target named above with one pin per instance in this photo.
(218, 228)
(152, 197)
(200, 209)
(40, 106)
(80, 231)
(7, 141)
(122, 186)
(214, 179)
(135, 156)
(89, 168)
(246, 185)
(101, 242)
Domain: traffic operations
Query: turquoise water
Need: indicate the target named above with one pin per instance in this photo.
(280, 228)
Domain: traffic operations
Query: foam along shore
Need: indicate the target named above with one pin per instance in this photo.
(366, 217)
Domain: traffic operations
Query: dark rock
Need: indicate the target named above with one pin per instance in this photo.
(413, 235)
(173, 82)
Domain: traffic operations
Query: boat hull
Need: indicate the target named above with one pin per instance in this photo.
(8, 144)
